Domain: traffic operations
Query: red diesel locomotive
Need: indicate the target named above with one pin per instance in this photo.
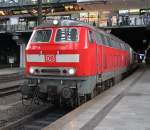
(68, 61)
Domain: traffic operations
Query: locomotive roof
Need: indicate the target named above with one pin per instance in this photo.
(68, 23)
(65, 22)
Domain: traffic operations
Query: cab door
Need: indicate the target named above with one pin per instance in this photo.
(99, 52)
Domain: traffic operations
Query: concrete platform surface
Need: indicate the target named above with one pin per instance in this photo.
(126, 106)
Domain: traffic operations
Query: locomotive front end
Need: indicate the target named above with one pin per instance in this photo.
(55, 63)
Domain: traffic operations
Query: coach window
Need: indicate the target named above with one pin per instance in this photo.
(118, 45)
(98, 38)
(104, 39)
(113, 43)
(109, 41)
(127, 47)
(122, 46)
(90, 36)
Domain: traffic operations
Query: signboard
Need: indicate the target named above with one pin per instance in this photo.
(11, 60)
(84, 16)
(134, 11)
(14, 20)
(123, 12)
(143, 11)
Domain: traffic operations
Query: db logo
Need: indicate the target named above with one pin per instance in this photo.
(49, 58)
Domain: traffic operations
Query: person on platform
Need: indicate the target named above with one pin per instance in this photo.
(94, 24)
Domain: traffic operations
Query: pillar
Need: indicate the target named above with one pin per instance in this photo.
(39, 12)
(22, 55)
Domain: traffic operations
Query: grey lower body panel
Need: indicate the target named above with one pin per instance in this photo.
(113, 74)
(84, 85)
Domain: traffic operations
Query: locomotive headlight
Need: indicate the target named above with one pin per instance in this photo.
(71, 71)
(31, 70)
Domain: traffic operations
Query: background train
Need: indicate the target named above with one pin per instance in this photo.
(69, 62)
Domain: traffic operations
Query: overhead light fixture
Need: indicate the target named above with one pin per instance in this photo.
(89, 2)
(2, 13)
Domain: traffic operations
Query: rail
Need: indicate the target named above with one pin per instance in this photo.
(9, 91)
(36, 120)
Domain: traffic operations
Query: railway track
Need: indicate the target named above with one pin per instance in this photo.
(37, 120)
(11, 77)
(9, 90)
(41, 121)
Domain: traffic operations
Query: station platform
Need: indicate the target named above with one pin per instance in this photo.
(126, 106)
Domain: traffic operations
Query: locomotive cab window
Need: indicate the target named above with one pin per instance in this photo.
(98, 38)
(67, 35)
(41, 36)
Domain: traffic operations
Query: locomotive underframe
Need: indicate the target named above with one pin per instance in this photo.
(61, 89)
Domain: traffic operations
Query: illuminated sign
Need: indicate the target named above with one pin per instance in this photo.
(24, 11)
(123, 11)
(100, 1)
(134, 10)
(2, 13)
(85, 0)
(17, 12)
(60, 1)
(14, 20)
(143, 11)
